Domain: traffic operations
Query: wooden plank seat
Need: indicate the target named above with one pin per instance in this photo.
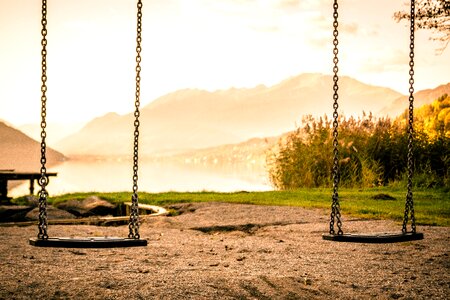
(89, 242)
(374, 238)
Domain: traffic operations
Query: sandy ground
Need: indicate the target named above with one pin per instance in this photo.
(242, 252)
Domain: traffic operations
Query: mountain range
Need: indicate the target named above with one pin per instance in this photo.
(192, 119)
(420, 98)
(235, 121)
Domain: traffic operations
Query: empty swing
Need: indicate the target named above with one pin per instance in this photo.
(409, 205)
(133, 239)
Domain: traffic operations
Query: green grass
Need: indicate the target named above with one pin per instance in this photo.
(432, 206)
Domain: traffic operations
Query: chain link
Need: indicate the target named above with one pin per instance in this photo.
(43, 180)
(335, 207)
(134, 213)
(409, 204)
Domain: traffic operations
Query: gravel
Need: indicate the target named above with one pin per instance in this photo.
(228, 251)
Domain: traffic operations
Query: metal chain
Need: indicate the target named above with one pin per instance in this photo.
(335, 207)
(134, 214)
(43, 180)
(409, 204)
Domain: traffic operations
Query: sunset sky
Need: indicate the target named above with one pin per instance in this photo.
(206, 44)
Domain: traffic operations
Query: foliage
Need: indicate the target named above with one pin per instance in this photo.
(433, 15)
(304, 159)
(372, 152)
(432, 143)
(434, 119)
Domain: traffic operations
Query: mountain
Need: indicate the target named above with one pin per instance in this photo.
(420, 98)
(55, 131)
(22, 153)
(193, 119)
(250, 152)
(110, 134)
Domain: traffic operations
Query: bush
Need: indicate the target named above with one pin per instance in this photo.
(371, 151)
(304, 157)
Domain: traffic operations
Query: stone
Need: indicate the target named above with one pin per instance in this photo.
(91, 206)
(382, 196)
(13, 213)
(53, 213)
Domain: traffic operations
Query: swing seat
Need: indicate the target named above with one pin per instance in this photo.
(375, 238)
(91, 242)
(88, 242)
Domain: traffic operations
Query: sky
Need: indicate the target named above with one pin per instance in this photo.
(205, 44)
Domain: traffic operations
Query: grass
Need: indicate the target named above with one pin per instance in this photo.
(432, 206)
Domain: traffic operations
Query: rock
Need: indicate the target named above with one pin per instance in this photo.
(53, 213)
(179, 209)
(32, 200)
(13, 213)
(382, 196)
(91, 206)
(307, 281)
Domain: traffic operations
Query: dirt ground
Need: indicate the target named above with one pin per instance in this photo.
(228, 251)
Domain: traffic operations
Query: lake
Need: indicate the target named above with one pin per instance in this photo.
(114, 176)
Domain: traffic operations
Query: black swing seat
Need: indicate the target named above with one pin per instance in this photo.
(375, 238)
(91, 242)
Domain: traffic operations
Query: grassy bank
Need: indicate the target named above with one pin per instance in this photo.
(432, 206)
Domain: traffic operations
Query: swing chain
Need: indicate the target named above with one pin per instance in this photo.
(409, 205)
(335, 208)
(134, 213)
(43, 180)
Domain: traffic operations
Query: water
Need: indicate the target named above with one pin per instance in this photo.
(115, 176)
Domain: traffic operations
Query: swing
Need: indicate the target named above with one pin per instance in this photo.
(43, 240)
(409, 206)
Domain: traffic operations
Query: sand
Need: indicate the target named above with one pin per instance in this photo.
(228, 251)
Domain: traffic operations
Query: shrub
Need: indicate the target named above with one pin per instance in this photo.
(371, 151)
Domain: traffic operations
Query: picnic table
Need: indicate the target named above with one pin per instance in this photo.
(6, 175)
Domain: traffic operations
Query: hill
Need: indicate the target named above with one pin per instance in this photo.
(55, 131)
(420, 98)
(194, 119)
(250, 152)
(22, 153)
(431, 119)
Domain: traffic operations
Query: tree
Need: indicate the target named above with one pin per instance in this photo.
(433, 15)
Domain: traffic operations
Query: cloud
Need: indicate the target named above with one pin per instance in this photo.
(373, 33)
(318, 21)
(239, 2)
(284, 17)
(387, 60)
(269, 28)
(288, 4)
(320, 42)
(351, 28)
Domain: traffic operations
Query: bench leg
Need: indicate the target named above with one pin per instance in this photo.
(32, 186)
(4, 189)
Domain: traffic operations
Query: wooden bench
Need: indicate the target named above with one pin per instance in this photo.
(6, 175)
